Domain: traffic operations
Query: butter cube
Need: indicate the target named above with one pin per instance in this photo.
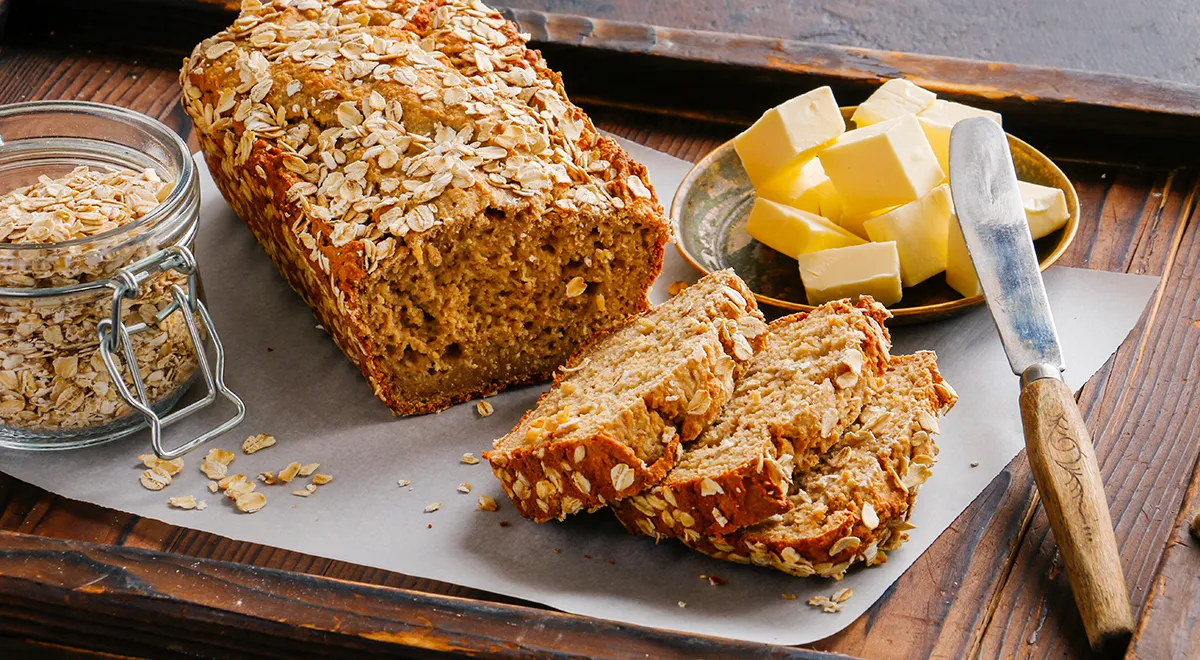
(939, 118)
(1045, 208)
(789, 134)
(894, 98)
(871, 269)
(883, 165)
(806, 188)
(794, 232)
(854, 223)
(921, 230)
(960, 272)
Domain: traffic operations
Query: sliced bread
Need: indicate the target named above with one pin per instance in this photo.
(854, 500)
(614, 420)
(797, 395)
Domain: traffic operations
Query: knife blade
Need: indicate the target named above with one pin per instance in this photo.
(983, 185)
(1001, 247)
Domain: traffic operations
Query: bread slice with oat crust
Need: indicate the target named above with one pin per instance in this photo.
(798, 394)
(618, 412)
(853, 502)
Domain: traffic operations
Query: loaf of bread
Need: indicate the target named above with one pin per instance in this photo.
(799, 393)
(420, 178)
(853, 501)
(613, 422)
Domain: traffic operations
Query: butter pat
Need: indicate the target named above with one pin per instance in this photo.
(854, 223)
(788, 135)
(940, 117)
(883, 165)
(806, 188)
(795, 232)
(871, 269)
(1045, 208)
(894, 98)
(960, 271)
(921, 231)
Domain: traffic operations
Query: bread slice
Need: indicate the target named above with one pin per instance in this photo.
(853, 503)
(615, 418)
(420, 177)
(797, 395)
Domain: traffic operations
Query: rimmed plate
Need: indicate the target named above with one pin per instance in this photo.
(712, 204)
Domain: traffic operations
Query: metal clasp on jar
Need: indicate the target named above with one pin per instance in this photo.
(115, 340)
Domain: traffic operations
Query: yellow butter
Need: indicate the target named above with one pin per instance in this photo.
(960, 271)
(939, 118)
(920, 230)
(794, 232)
(882, 165)
(789, 134)
(871, 269)
(894, 98)
(806, 188)
(854, 223)
(1045, 208)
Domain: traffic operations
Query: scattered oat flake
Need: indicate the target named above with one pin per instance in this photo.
(288, 473)
(172, 467)
(403, 482)
(268, 478)
(682, 604)
(974, 463)
(212, 486)
(469, 459)
(214, 470)
(677, 288)
(487, 503)
(188, 502)
(788, 596)
(302, 493)
(201, 505)
(716, 580)
(464, 487)
(155, 479)
(484, 409)
(217, 455)
(306, 470)
(257, 442)
(250, 502)
(842, 595)
(322, 479)
(430, 508)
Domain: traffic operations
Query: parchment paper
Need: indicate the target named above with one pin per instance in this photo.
(300, 388)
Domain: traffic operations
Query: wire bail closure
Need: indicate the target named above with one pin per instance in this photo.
(115, 340)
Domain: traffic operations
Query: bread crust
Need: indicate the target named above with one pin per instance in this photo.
(802, 543)
(556, 479)
(691, 508)
(251, 87)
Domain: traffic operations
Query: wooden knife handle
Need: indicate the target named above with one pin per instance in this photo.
(1068, 478)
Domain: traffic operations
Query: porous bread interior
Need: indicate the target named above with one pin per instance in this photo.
(617, 372)
(783, 397)
(855, 470)
(486, 304)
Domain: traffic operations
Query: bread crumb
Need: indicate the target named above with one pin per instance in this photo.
(974, 464)
(469, 459)
(504, 523)
(487, 503)
(188, 502)
(322, 479)
(464, 488)
(403, 482)
(716, 580)
(788, 596)
(484, 409)
(576, 286)
(430, 508)
(682, 604)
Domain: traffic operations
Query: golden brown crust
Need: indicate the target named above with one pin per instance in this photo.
(877, 466)
(282, 119)
(588, 471)
(690, 505)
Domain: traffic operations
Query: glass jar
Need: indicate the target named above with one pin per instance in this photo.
(100, 335)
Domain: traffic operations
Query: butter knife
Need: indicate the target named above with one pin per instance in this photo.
(987, 201)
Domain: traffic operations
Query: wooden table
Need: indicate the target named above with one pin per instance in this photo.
(80, 578)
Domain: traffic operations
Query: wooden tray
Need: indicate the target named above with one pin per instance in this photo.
(78, 577)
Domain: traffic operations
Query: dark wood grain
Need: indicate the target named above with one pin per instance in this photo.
(989, 586)
(153, 604)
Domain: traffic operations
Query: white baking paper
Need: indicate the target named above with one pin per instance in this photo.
(299, 387)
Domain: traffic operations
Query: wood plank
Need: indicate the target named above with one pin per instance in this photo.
(1148, 440)
(1168, 628)
(153, 604)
